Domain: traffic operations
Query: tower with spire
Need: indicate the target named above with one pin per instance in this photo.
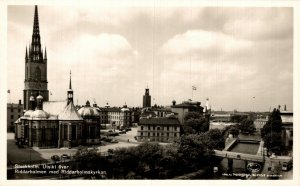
(70, 91)
(35, 66)
(147, 98)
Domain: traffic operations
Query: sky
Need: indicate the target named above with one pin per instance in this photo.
(239, 58)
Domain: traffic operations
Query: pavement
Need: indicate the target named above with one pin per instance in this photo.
(19, 155)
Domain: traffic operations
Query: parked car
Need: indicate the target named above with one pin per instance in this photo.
(122, 132)
(55, 158)
(114, 134)
(114, 141)
(108, 139)
(65, 156)
(286, 166)
(110, 151)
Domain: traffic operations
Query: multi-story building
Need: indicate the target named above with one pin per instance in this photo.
(14, 112)
(287, 129)
(119, 117)
(158, 129)
(220, 117)
(187, 106)
(125, 117)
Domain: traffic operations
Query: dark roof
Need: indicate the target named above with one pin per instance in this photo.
(162, 109)
(148, 113)
(159, 121)
(113, 109)
(286, 113)
(188, 104)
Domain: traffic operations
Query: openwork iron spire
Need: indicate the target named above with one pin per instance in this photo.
(70, 85)
(35, 52)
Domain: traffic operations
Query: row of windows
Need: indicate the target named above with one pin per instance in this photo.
(157, 134)
(12, 110)
(158, 128)
(12, 116)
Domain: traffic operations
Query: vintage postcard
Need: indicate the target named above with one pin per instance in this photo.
(149, 90)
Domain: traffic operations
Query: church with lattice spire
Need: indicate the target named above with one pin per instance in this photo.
(51, 124)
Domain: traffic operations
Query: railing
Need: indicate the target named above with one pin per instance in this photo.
(239, 156)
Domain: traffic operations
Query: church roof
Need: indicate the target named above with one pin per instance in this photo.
(39, 114)
(54, 107)
(88, 111)
(69, 113)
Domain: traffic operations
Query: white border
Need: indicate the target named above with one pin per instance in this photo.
(248, 3)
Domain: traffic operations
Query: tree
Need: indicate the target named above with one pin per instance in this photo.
(247, 126)
(232, 129)
(271, 132)
(198, 125)
(214, 139)
(192, 115)
(191, 151)
(195, 123)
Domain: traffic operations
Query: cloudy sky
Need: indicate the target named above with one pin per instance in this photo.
(230, 54)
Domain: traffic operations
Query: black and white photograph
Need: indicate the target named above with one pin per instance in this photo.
(153, 91)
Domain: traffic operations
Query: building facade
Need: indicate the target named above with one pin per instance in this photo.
(259, 123)
(287, 129)
(119, 117)
(158, 129)
(14, 112)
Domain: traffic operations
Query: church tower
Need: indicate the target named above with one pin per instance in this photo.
(147, 98)
(35, 67)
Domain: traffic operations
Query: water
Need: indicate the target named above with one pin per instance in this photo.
(246, 148)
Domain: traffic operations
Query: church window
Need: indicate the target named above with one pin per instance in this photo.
(43, 134)
(65, 132)
(73, 132)
(92, 134)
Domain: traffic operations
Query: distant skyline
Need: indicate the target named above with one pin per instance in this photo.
(239, 58)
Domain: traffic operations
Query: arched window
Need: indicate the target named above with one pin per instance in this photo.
(37, 73)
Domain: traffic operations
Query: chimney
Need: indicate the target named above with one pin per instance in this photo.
(20, 102)
(173, 102)
(284, 107)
